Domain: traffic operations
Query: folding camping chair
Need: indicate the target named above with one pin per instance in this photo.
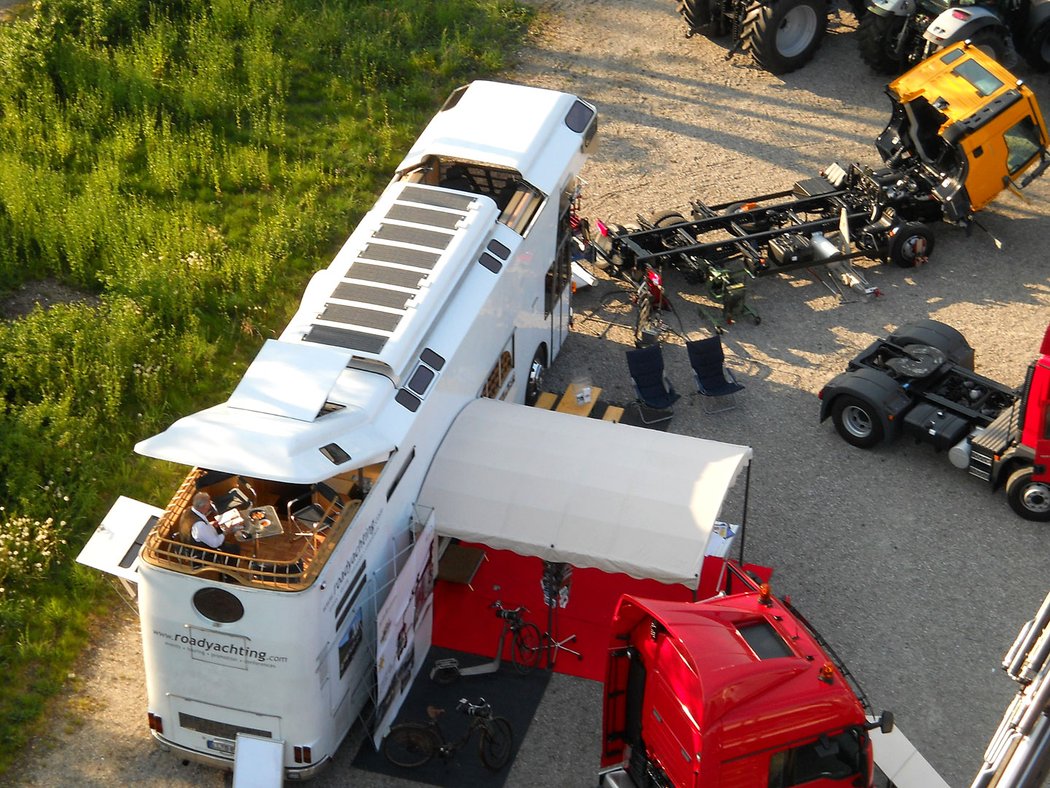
(655, 392)
(714, 382)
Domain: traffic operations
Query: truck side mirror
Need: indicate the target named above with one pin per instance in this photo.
(884, 723)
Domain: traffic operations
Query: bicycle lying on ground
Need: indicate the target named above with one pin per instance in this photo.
(412, 744)
(526, 645)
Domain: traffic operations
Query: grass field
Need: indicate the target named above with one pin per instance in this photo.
(187, 165)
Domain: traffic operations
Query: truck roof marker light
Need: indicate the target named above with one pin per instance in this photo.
(827, 672)
(765, 597)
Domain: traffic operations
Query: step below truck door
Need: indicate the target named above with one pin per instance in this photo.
(115, 545)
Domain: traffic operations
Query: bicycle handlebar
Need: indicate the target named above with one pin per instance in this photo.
(504, 612)
(479, 709)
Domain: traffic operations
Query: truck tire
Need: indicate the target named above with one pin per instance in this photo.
(936, 334)
(1029, 499)
(668, 219)
(876, 37)
(1037, 48)
(911, 245)
(856, 422)
(536, 371)
(783, 35)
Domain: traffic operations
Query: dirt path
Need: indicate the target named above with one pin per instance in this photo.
(917, 575)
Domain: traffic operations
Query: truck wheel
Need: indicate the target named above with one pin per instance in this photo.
(911, 245)
(876, 39)
(857, 422)
(1037, 48)
(668, 219)
(536, 370)
(1028, 498)
(783, 35)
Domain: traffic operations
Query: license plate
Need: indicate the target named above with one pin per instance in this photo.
(220, 745)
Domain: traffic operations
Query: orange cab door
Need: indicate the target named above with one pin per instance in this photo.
(1004, 147)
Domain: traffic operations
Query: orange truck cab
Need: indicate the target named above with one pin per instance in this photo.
(735, 690)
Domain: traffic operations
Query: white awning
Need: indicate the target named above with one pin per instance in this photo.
(584, 491)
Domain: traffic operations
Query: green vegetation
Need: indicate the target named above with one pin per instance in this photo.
(186, 164)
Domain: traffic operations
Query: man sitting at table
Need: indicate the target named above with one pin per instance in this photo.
(203, 529)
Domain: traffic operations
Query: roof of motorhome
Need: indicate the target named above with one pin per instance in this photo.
(523, 129)
(585, 491)
(377, 302)
(258, 432)
(391, 279)
(735, 691)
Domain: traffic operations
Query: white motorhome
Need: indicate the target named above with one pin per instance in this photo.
(389, 414)
(454, 287)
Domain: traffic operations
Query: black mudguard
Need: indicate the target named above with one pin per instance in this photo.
(935, 334)
(874, 387)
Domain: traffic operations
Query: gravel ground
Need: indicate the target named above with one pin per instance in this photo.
(916, 573)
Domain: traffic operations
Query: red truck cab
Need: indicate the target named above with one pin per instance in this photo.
(735, 690)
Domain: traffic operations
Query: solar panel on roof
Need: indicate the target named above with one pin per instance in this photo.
(342, 337)
(413, 235)
(382, 265)
(384, 253)
(412, 213)
(385, 274)
(380, 296)
(440, 199)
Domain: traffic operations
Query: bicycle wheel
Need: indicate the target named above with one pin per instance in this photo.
(497, 743)
(525, 652)
(410, 744)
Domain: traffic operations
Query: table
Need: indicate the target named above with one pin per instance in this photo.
(459, 564)
(570, 404)
(273, 527)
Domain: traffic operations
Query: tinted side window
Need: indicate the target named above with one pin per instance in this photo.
(1022, 143)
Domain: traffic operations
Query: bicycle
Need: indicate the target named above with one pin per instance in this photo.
(412, 744)
(526, 646)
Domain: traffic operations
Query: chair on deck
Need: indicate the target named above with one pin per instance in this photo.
(320, 513)
(714, 382)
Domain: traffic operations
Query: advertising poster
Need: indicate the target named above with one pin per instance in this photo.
(405, 625)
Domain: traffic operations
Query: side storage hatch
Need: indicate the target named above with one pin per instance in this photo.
(115, 545)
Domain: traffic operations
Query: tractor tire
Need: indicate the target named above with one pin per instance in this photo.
(783, 35)
(1037, 48)
(992, 41)
(876, 36)
(1029, 499)
(911, 245)
(699, 16)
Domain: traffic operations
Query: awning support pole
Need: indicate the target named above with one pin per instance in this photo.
(743, 518)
